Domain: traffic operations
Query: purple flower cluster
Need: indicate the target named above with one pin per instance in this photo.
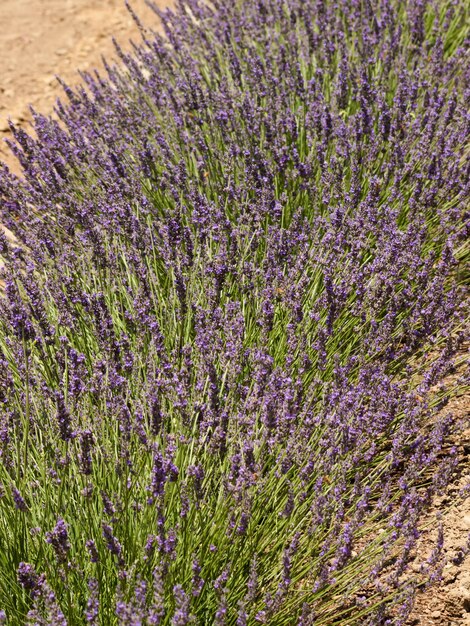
(235, 289)
(59, 540)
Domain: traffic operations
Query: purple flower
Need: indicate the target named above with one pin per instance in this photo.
(159, 477)
(18, 499)
(92, 607)
(30, 580)
(197, 583)
(86, 443)
(59, 540)
(63, 419)
(92, 550)
(157, 607)
(112, 543)
(182, 615)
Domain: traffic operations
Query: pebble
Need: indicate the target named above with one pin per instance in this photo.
(466, 520)
(436, 614)
(450, 574)
(458, 601)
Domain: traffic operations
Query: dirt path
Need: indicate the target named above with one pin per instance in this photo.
(43, 38)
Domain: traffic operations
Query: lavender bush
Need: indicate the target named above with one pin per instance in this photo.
(236, 283)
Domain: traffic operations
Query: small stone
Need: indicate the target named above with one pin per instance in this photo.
(436, 614)
(458, 601)
(449, 574)
(466, 520)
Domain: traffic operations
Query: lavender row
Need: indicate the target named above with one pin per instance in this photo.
(235, 290)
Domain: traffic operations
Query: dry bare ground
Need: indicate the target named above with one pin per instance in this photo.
(447, 603)
(42, 38)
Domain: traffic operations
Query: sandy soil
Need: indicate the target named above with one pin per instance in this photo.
(447, 603)
(40, 39)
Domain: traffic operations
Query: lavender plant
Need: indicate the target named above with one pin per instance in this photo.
(237, 280)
